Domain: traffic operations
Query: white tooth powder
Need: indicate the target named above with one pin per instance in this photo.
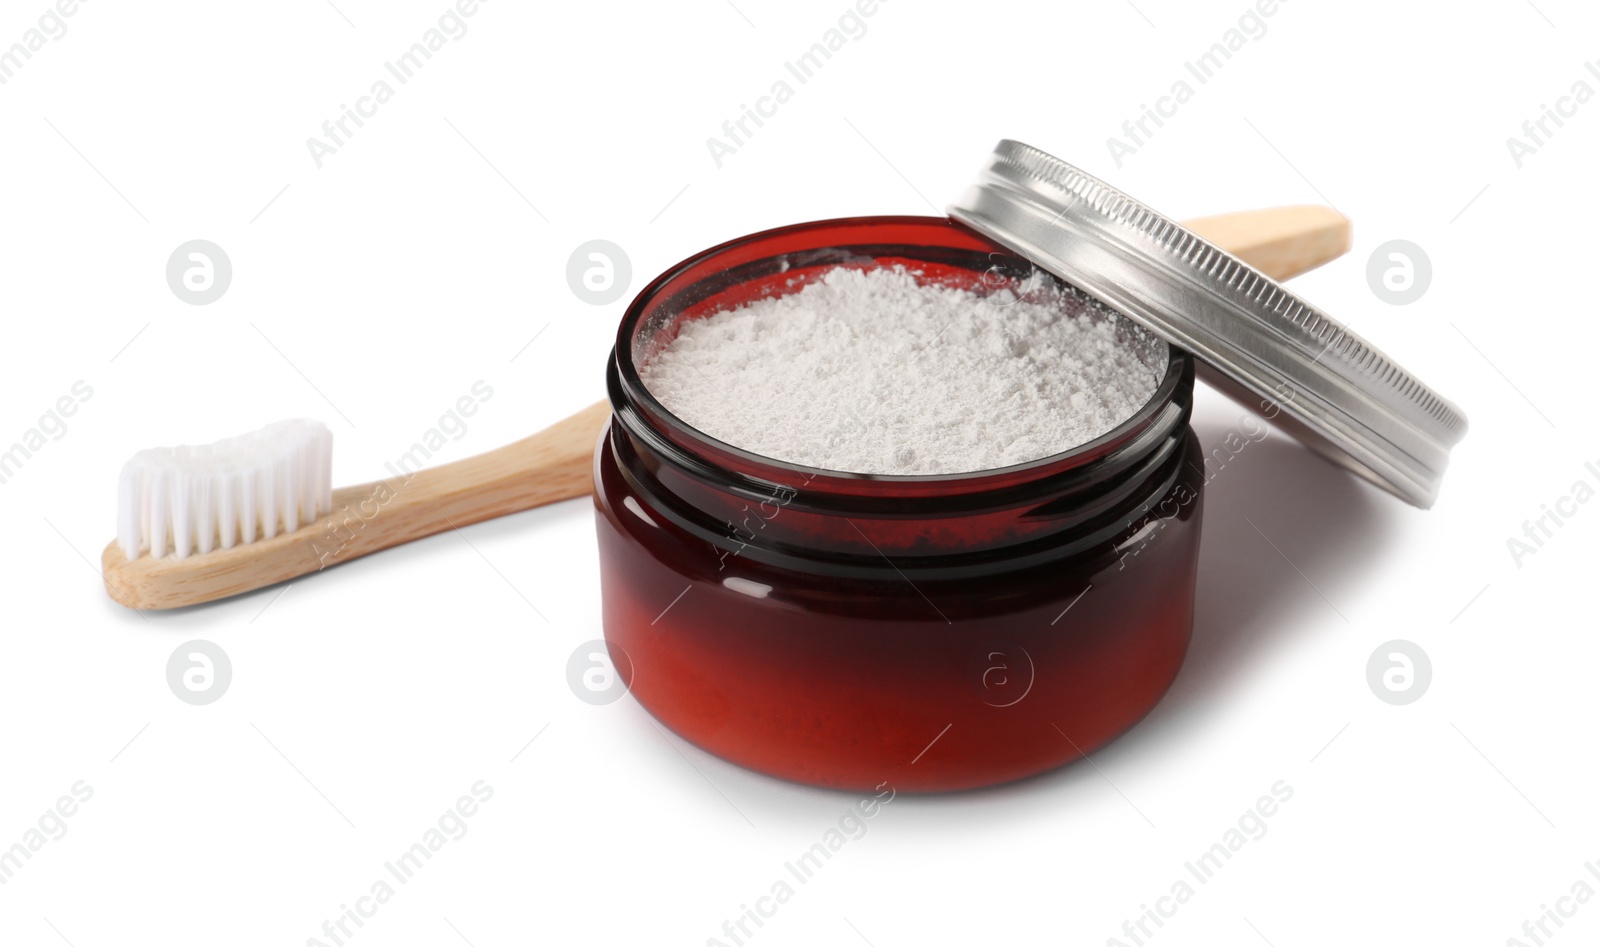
(868, 371)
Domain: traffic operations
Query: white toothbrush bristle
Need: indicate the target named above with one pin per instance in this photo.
(216, 496)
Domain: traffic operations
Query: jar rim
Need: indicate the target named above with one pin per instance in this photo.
(631, 397)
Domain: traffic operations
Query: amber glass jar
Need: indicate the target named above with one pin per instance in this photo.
(925, 632)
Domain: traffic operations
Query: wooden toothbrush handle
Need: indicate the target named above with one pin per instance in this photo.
(551, 465)
(1279, 241)
(556, 463)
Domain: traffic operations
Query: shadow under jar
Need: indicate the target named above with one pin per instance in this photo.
(927, 633)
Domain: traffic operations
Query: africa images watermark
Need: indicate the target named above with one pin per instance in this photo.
(1552, 917)
(51, 827)
(51, 426)
(52, 26)
(782, 496)
(736, 132)
(1537, 132)
(336, 132)
(1137, 132)
(851, 826)
(1251, 827)
(342, 525)
(1251, 430)
(450, 827)
(1553, 516)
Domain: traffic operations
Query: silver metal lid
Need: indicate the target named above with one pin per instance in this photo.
(1252, 338)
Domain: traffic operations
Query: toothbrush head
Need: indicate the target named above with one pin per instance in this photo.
(180, 501)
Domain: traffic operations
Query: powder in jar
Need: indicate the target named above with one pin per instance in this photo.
(870, 371)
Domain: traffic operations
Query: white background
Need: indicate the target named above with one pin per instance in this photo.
(426, 253)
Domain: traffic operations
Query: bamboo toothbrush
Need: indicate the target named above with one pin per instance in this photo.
(261, 510)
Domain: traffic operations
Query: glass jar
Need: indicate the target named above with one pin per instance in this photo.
(925, 632)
